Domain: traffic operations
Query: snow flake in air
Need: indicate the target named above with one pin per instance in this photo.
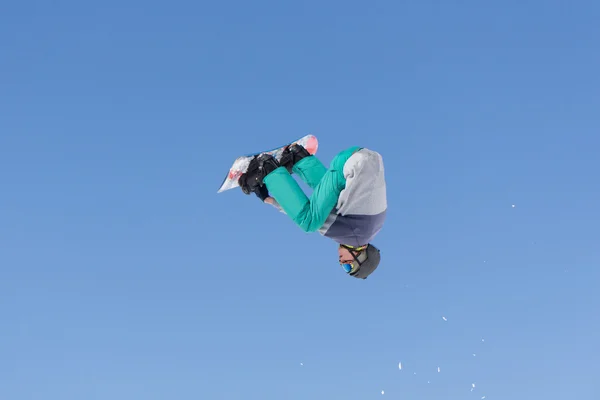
(399, 365)
(445, 319)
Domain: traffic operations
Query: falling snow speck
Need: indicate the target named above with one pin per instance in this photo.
(445, 319)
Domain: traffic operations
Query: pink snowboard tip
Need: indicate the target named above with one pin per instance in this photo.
(312, 144)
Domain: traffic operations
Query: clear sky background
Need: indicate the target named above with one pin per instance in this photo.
(124, 275)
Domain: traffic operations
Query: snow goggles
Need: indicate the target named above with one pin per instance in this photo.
(359, 258)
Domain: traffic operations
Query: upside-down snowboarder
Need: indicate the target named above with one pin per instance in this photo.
(348, 203)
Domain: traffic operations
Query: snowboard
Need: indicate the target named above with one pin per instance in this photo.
(240, 165)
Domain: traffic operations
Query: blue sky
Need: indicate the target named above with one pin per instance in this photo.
(125, 275)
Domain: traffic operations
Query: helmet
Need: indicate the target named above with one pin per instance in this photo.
(364, 263)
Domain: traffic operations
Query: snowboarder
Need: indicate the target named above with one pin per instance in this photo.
(348, 203)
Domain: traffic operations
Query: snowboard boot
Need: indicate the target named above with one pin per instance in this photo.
(266, 164)
(291, 155)
(252, 180)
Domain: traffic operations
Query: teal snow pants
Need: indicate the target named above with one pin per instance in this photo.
(310, 213)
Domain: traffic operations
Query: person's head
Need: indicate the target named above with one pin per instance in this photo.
(359, 261)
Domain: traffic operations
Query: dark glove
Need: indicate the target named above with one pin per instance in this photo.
(261, 192)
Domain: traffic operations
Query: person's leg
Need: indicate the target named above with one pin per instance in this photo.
(310, 169)
(308, 213)
(296, 159)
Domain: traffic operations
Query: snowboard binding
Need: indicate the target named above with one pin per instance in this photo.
(291, 155)
(251, 181)
(310, 143)
(262, 165)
